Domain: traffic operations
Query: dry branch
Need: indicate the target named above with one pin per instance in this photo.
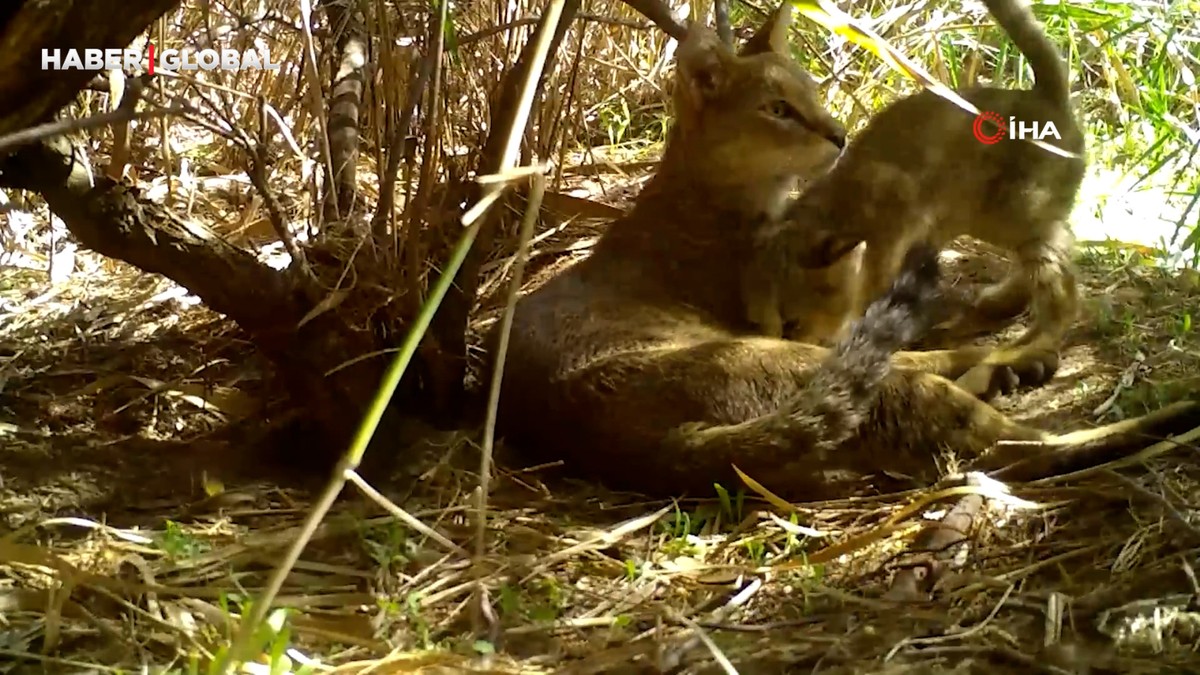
(660, 15)
(934, 547)
(113, 220)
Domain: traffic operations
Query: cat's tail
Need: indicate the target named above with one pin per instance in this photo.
(1049, 70)
(844, 390)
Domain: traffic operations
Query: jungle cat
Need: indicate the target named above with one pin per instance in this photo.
(635, 366)
(918, 172)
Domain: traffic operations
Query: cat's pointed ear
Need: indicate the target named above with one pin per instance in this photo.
(772, 35)
(836, 249)
(856, 258)
(702, 70)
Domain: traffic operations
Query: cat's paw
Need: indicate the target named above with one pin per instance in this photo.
(1007, 369)
(986, 380)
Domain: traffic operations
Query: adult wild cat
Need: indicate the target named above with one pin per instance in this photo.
(630, 365)
(918, 172)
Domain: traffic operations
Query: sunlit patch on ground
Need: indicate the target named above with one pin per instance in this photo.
(1120, 206)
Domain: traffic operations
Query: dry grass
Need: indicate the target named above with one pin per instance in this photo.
(126, 547)
(141, 516)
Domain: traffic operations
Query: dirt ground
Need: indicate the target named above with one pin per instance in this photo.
(137, 516)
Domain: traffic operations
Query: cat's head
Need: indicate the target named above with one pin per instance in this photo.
(750, 123)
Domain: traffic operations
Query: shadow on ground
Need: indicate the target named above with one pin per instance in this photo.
(150, 423)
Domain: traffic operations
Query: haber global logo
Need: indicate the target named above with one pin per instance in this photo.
(168, 59)
(990, 128)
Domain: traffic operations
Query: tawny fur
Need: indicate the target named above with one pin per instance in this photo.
(917, 172)
(635, 365)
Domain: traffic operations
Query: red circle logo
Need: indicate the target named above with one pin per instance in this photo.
(984, 136)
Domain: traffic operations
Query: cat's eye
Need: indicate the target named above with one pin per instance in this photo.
(782, 110)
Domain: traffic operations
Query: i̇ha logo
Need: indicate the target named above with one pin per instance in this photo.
(168, 59)
(990, 128)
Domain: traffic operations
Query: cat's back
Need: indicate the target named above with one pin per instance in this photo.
(598, 307)
(547, 321)
(925, 132)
